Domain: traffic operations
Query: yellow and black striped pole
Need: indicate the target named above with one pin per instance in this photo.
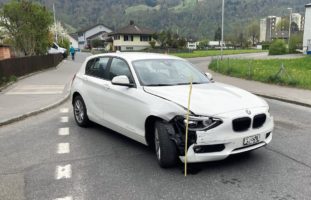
(187, 121)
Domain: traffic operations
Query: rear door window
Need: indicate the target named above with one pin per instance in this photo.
(97, 67)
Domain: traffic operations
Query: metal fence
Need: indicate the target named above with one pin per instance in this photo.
(22, 66)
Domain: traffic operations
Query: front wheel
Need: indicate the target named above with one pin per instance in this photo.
(79, 110)
(165, 148)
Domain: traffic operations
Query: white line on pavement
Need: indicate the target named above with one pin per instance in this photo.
(63, 148)
(64, 119)
(65, 198)
(64, 110)
(63, 172)
(63, 131)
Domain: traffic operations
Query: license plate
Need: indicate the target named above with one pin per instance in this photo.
(251, 140)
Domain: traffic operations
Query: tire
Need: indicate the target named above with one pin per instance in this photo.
(80, 112)
(165, 148)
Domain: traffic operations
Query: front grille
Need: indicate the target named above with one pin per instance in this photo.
(241, 124)
(259, 120)
(209, 148)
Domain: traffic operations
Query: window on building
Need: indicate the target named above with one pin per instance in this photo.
(129, 48)
(145, 38)
(116, 37)
(128, 37)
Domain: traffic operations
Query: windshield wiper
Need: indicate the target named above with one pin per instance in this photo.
(158, 85)
(193, 83)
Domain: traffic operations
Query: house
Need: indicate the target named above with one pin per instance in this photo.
(307, 30)
(216, 44)
(268, 28)
(5, 52)
(73, 38)
(131, 38)
(85, 36)
(192, 43)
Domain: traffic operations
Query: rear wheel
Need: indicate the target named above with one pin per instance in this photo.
(165, 148)
(79, 110)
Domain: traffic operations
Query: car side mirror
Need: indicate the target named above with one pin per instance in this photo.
(209, 76)
(122, 80)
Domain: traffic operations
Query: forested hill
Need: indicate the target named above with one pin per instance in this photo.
(198, 18)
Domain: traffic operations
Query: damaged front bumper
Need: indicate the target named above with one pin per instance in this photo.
(222, 141)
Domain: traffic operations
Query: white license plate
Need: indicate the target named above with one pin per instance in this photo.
(251, 140)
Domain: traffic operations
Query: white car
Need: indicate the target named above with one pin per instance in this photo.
(55, 49)
(144, 96)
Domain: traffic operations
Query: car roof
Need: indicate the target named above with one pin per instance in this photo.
(132, 56)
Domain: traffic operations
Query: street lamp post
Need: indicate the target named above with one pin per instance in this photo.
(56, 36)
(222, 28)
(290, 24)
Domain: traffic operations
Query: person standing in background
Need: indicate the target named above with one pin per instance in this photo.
(72, 52)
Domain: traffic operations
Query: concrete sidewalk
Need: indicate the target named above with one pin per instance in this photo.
(287, 94)
(39, 92)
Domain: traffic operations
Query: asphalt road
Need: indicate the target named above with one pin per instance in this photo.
(40, 160)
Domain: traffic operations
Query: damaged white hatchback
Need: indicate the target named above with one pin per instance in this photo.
(144, 97)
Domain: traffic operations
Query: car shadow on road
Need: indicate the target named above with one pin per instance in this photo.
(232, 162)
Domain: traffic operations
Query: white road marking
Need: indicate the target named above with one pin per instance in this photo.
(63, 131)
(64, 110)
(63, 172)
(65, 198)
(63, 148)
(64, 119)
(36, 89)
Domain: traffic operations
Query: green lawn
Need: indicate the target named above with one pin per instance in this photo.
(204, 53)
(297, 72)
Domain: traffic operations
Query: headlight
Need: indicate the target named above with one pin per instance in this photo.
(202, 123)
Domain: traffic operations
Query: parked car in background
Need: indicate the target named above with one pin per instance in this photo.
(55, 49)
(144, 96)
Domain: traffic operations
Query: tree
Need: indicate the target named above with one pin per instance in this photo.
(295, 42)
(254, 31)
(218, 35)
(203, 44)
(28, 24)
(283, 24)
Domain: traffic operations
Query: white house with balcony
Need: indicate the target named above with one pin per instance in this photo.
(99, 31)
(131, 38)
(307, 30)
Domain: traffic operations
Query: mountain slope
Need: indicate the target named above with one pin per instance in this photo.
(198, 18)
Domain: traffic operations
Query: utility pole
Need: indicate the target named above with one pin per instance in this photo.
(222, 28)
(290, 24)
(56, 36)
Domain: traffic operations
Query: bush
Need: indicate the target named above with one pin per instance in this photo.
(295, 43)
(278, 47)
(266, 46)
(64, 43)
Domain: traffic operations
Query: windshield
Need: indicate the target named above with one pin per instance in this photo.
(165, 72)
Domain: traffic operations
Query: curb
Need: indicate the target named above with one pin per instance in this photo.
(36, 112)
(284, 100)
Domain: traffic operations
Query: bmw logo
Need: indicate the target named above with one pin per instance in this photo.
(248, 111)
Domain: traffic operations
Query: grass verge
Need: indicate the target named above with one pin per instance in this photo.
(296, 72)
(205, 53)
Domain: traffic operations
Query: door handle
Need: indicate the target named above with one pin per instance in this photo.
(106, 86)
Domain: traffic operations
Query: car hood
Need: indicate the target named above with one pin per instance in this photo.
(209, 99)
